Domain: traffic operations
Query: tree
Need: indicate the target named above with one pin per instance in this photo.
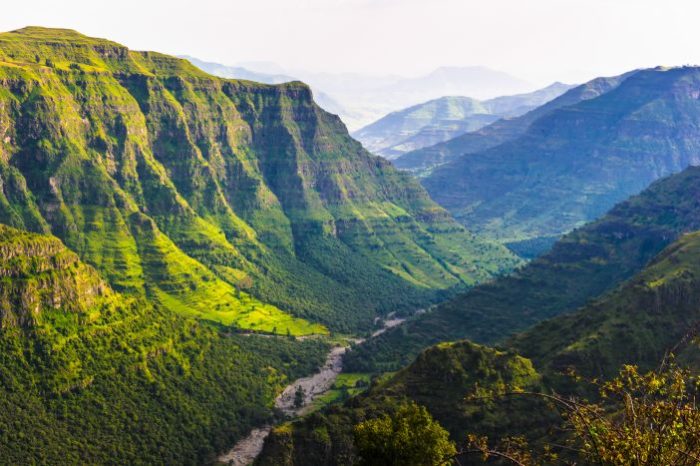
(299, 397)
(641, 420)
(408, 437)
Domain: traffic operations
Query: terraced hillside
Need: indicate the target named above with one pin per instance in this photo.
(232, 201)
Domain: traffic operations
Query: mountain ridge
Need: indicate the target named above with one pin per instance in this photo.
(577, 161)
(211, 195)
(422, 161)
(441, 119)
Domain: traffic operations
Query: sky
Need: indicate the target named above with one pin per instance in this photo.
(537, 40)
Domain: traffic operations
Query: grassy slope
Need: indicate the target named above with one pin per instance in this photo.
(228, 199)
(101, 377)
(582, 265)
(638, 322)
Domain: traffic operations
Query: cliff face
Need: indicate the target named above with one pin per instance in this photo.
(178, 185)
(37, 274)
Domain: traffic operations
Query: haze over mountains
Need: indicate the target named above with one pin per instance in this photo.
(577, 161)
(442, 119)
(361, 99)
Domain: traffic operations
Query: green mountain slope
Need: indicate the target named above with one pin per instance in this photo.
(441, 119)
(581, 266)
(440, 379)
(422, 161)
(638, 322)
(89, 375)
(233, 201)
(576, 162)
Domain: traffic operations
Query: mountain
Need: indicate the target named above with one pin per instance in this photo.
(368, 98)
(423, 160)
(582, 265)
(574, 163)
(441, 119)
(360, 99)
(155, 219)
(447, 114)
(440, 379)
(230, 200)
(239, 72)
(476, 81)
(103, 377)
(639, 322)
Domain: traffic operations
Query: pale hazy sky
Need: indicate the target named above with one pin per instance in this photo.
(539, 40)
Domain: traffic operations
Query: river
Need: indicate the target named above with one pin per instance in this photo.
(247, 449)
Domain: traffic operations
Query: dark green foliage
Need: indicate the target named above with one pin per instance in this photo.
(442, 380)
(531, 248)
(581, 266)
(100, 377)
(640, 322)
(637, 323)
(407, 437)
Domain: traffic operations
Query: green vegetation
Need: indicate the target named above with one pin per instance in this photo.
(647, 419)
(623, 326)
(581, 266)
(199, 211)
(231, 201)
(345, 386)
(633, 321)
(575, 162)
(101, 377)
(407, 437)
(439, 380)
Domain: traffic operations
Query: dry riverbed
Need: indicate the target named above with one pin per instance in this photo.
(247, 449)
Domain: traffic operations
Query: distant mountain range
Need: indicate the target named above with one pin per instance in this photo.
(360, 99)
(441, 119)
(422, 161)
(573, 162)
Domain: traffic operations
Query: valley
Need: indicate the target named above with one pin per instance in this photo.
(312, 387)
(354, 246)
